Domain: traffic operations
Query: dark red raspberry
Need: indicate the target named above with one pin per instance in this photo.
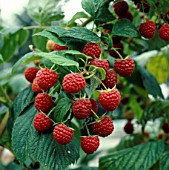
(42, 122)
(94, 107)
(147, 29)
(81, 108)
(164, 32)
(106, 31)
(73, 83)
(43, 102)
(128, 15)
(92, 49)
(62, 134)
(118, 47)
(58, 47)
(111, 79)
(165, 127)
(30, 73)
(35, 87)
(142, 5)
(160, 136)
(121, 8)
(103, 127)
(90, 144)
(110, 99)
(102, 63)
(116, 39)
(124, 67)
(129, 128)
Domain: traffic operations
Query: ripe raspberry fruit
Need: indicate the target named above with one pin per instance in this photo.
(164, 32)
(90, 144)
(73, 83)
(165, 127)
(46, 78)
(58, 47)
(124, 67)
(110, 99)
(103, 127)
(30, 73)
(81, 108)
(118, 47)
(102, 63)
(92, 49)
(128, 15)
(129, 128)
(35, 86)
(42, 122)
(147, 29)
(43, 102)
(62, 134)
(121, 8)
(111, 79)
(94, 107)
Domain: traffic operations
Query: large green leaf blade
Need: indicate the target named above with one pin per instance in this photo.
(164, 161)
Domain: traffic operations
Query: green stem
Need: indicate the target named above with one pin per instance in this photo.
(87, 129)
(100, 81)
(118, 53)
(86, 22)
(8, 100)
(50, 93)
(95, 115)
(35, 27)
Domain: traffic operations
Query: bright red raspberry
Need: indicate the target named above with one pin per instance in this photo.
(111, 79)
(46, 78)
(35, 86)
(118, 47)
(121, 8)
(81, 108)
(42, 122)
(103, 127)
(43, 102)
(62, 134)
(129, 128)
(127, 15)
(124, 67)
(102, 63)
(147, 29)
(109, 100)
(164, 32)
(73, 83)
(58, 47)
(165, 127)
(90, 144)
(30, 73)
(92, 49)
(94, 107)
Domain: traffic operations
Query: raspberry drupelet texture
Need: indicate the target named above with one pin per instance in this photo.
(102, 63)
(121, 8)
(30, 73)
(58, 47)
(164, 32)
(111, 79)
(35, 87)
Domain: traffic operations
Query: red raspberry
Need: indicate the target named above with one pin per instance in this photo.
(109, 100)
(62, 134)
(46, 78)
(94, 107)
(92, 49)
(43, 102)
(160, 135)
(103, 127)
(111, 79)
(142, 5)
(73, 83)
(35, 86)
(164, 32)
(30, 73)
(116, 40)
(165, 127)
(121, 8)
(147, 29)
(102, 63)
(90, 144)
(124, 67)
(81, 108)
(118, 47)
(58, 47)
(127, 15)
(42, 122)
(129, 128)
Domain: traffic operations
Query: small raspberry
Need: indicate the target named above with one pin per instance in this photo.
(124, 67)
(147, 29)
(46, 78)
(73, 83)
(30, 73)
(160, 135)
(111, 79)
(35, 86)
(109, 100)
(127, 15)
(92, 49)
(81, 108)
(102, 63)
(62, 134)
(164, 32)
(165, 127)
(129, 128)
(118, 47)
(58, 47)
(90, 144)
(49, 45)
(94, 107)
(103, 127)
(43, 102)
(42, 122)
(121, 8)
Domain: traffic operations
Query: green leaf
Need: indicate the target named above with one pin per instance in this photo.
(124, 28)
(1, 59)
(56, 30)
(128, 158)
(164, 161)
(11, 166)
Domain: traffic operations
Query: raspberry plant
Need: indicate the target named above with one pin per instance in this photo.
(80, 80)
